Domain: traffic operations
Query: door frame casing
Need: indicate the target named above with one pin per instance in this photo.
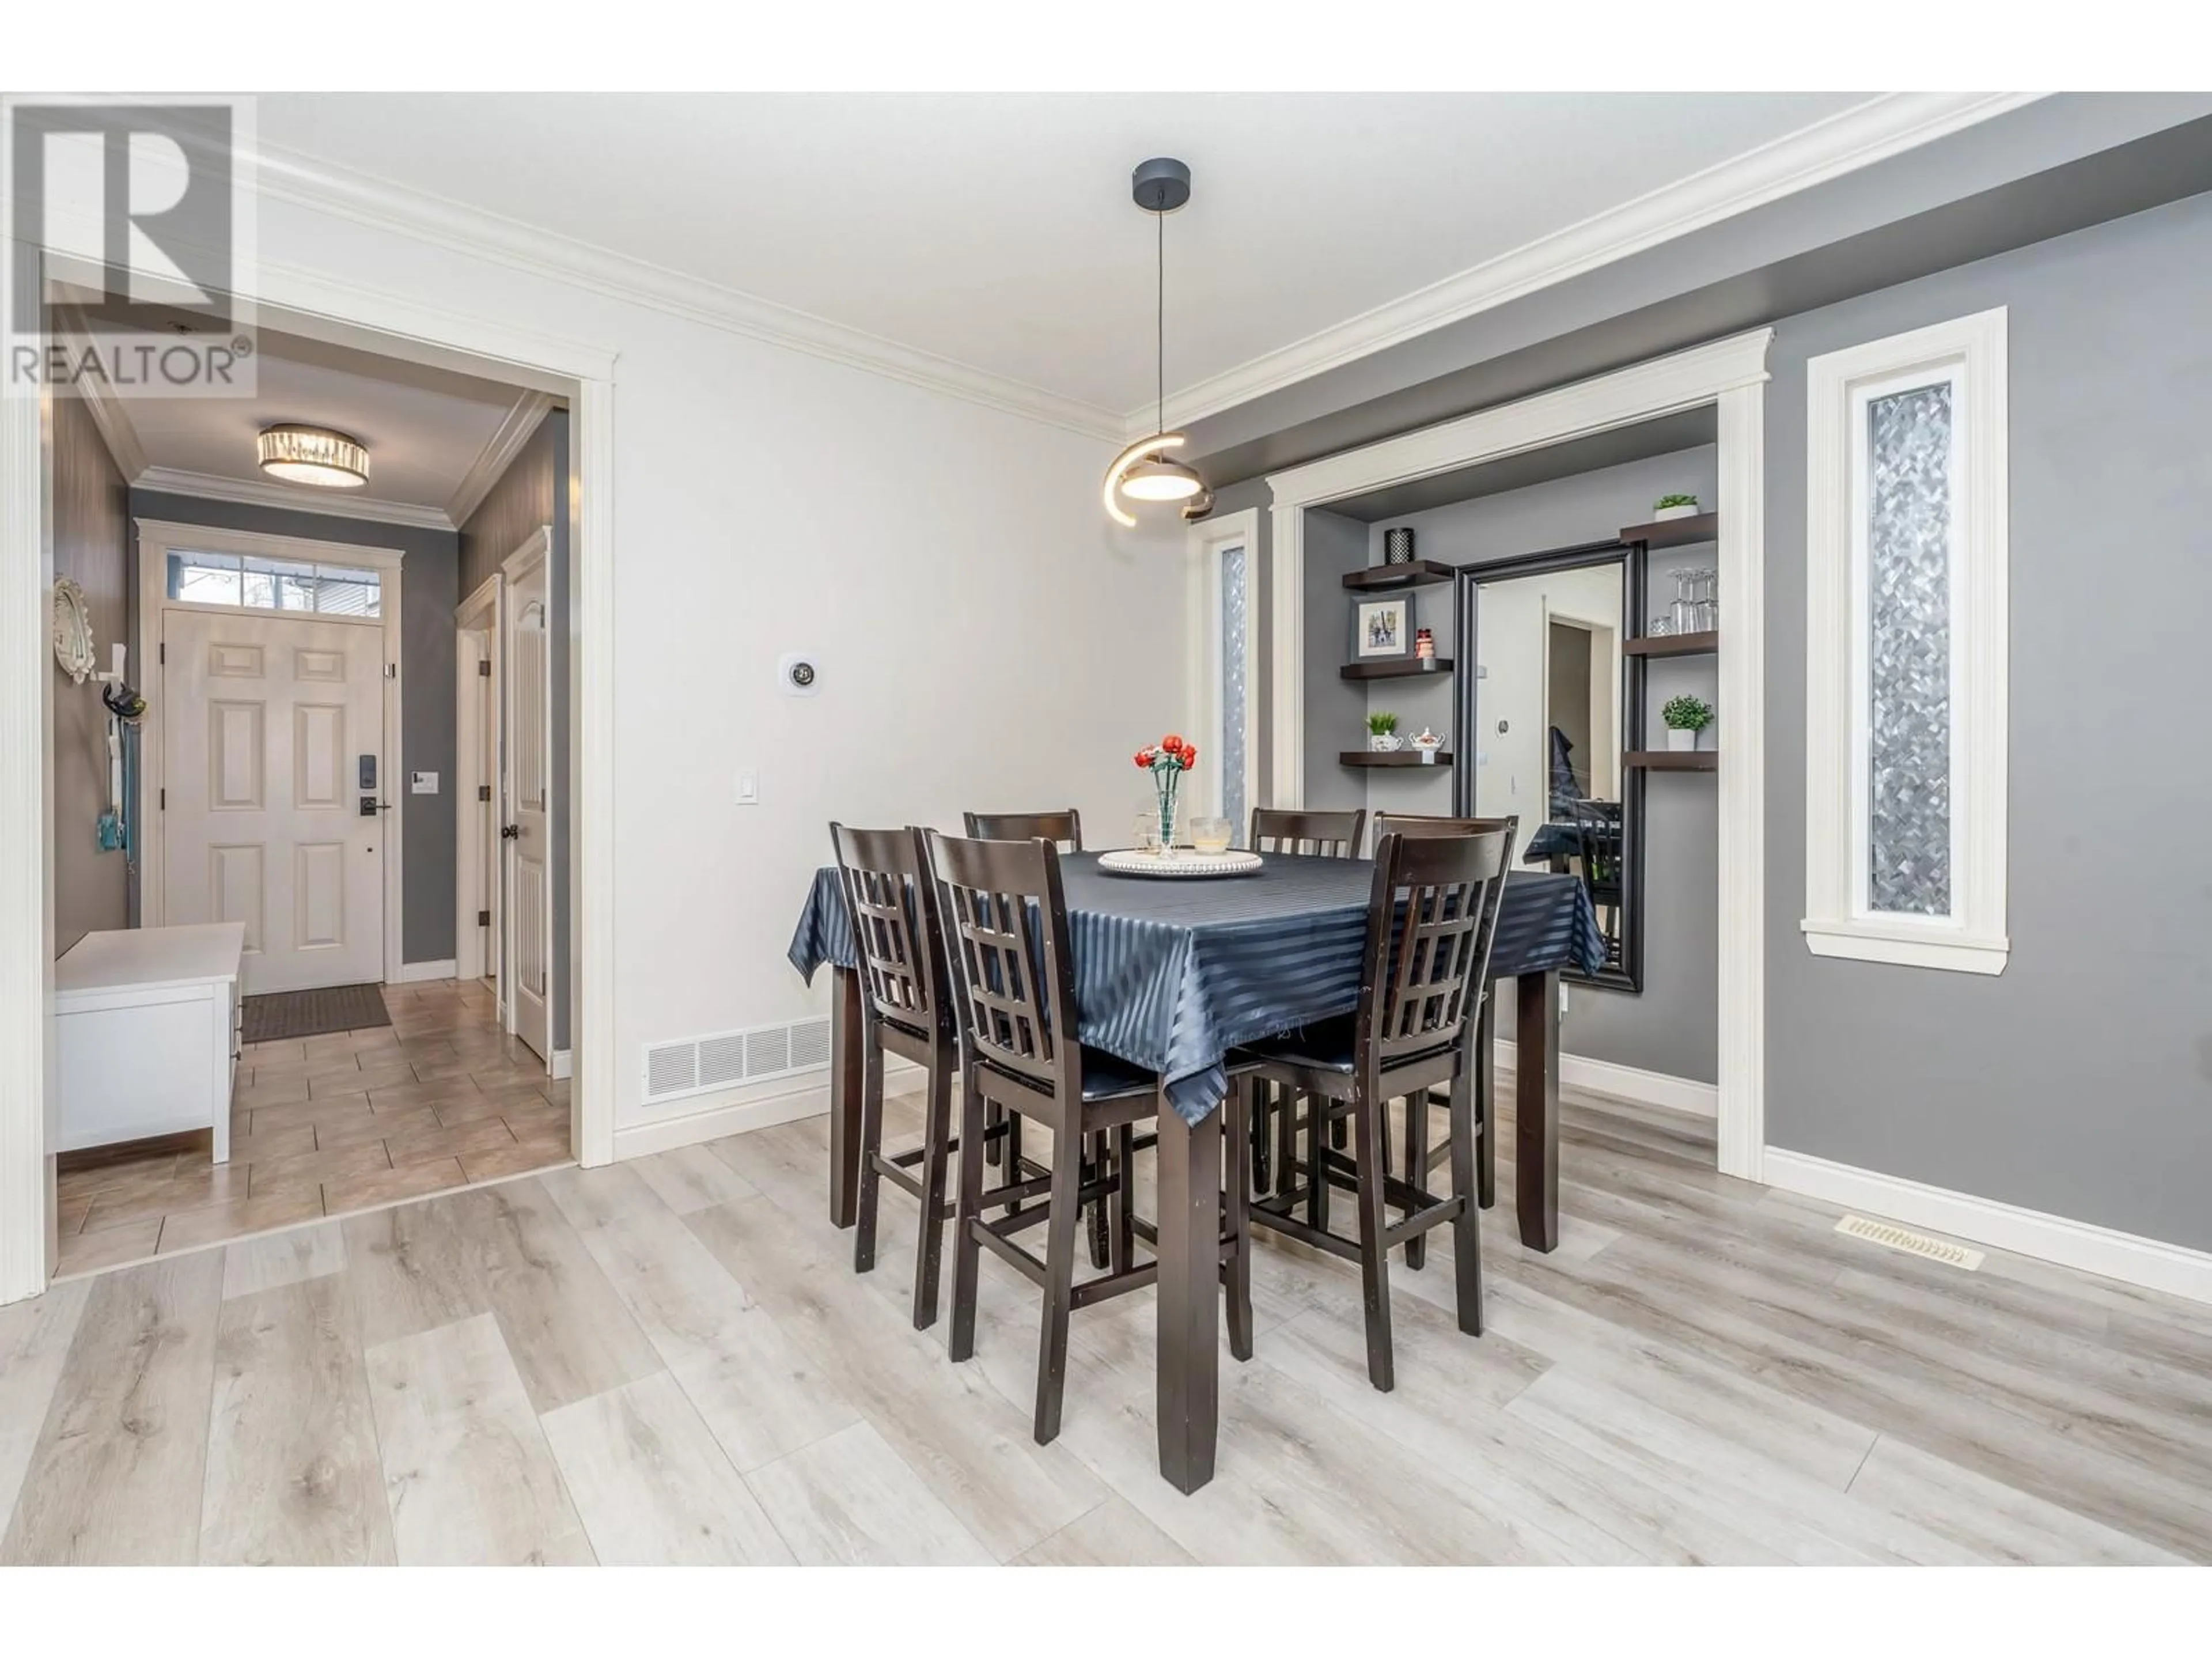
(1730, 375)
(157, 539)
(536, 550)
(479, 613)
(341, 308)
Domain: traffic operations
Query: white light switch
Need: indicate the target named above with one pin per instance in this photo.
(748, 788)
(423, 783)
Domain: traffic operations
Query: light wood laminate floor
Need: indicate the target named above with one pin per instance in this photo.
(672, 1360)
(439, 1098)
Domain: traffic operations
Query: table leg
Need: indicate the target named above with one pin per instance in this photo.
(845, 1087)
(1536, 1109)
(1190, 1256)
(1486, 1099)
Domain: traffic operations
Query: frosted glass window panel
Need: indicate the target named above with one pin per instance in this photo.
(1235, 626)
(1908, 573)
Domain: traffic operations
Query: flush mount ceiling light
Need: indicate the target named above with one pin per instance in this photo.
(1146, 472)
(312, 455)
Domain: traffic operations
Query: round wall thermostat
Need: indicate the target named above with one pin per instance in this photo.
(797, 674)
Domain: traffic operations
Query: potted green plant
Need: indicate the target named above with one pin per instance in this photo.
(1382, 734)
(1674, 507)
(1685, 717)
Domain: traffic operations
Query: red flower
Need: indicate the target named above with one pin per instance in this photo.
(1171, 742)
(1189, 756)
(1144, 757)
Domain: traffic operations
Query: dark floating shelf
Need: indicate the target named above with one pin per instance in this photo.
(1675, 532)
(1672, 760)
(1672, 644)
(1388, 578)
(1397, 668)
(1396, 757)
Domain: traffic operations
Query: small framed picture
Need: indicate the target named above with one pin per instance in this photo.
(1382, 629)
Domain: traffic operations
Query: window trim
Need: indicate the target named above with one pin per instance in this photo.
(1206, 542)
(1970, 353)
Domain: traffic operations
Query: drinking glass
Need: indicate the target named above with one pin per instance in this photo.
(1210, 835)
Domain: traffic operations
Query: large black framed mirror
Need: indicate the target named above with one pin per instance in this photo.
(1546, 708)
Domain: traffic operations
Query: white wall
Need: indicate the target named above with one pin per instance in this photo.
(986, 642)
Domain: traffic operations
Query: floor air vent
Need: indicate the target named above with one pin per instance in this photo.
(696, 1065)
(1912, 1243)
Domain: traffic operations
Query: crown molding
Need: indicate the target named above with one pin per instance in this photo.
(250, 492)
(1851, 139)
(498, 455)
(361, 198)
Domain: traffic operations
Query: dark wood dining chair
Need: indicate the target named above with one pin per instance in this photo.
(1005, 917)
(1063, 830)
(1316, 835)
(1420, 1158)
(1600, 838)
(1312, 834)
(1433, 914)
(904, 1011)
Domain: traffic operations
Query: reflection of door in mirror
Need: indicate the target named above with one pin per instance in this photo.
(1548, 708)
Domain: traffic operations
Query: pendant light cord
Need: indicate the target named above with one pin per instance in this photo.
(1160, 321)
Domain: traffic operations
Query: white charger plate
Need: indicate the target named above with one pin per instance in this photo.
(1180, 864)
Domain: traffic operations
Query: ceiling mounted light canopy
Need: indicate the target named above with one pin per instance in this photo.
(312, 455)
(1146, 472)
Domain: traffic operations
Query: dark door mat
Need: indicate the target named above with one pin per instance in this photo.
(281, 1015)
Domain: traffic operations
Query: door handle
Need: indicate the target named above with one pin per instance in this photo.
(510, 832)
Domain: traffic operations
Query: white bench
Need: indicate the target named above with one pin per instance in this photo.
(145, 1029)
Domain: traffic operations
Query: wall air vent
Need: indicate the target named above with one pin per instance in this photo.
(695, 1065)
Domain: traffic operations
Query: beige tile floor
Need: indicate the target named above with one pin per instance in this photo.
(671, 1359)
(326, 1126)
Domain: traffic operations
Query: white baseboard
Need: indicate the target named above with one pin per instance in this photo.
(411, 972)
(562, 1064)
(1602, 1077)
(732, 1111)
(2172, 1268)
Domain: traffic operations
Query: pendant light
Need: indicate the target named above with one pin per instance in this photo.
(1146, 471)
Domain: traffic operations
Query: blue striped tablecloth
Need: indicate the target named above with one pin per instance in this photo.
(1172, 974)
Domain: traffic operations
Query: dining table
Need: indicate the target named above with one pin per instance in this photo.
(1170, 976)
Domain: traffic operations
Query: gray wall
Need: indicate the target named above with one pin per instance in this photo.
(2079, 1081)
(429, 590)
(1336, 709)
(92, 544)
(1672, 1026)
(531, 492)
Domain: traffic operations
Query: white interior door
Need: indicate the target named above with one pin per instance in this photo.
(526, 747)
(272, 734)
(479, 848)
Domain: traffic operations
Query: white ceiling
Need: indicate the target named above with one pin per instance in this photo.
(996, 230)
(424, 427)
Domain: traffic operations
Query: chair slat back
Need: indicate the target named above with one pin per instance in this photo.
(895, 924)
(1005, 917)
(1433, 916)
(1412, 823)
(1063, 830)
(1318, 835)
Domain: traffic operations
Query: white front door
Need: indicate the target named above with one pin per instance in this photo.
(273, 740)
(526, 747)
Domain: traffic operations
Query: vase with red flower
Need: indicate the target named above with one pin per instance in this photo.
(1167, 760)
